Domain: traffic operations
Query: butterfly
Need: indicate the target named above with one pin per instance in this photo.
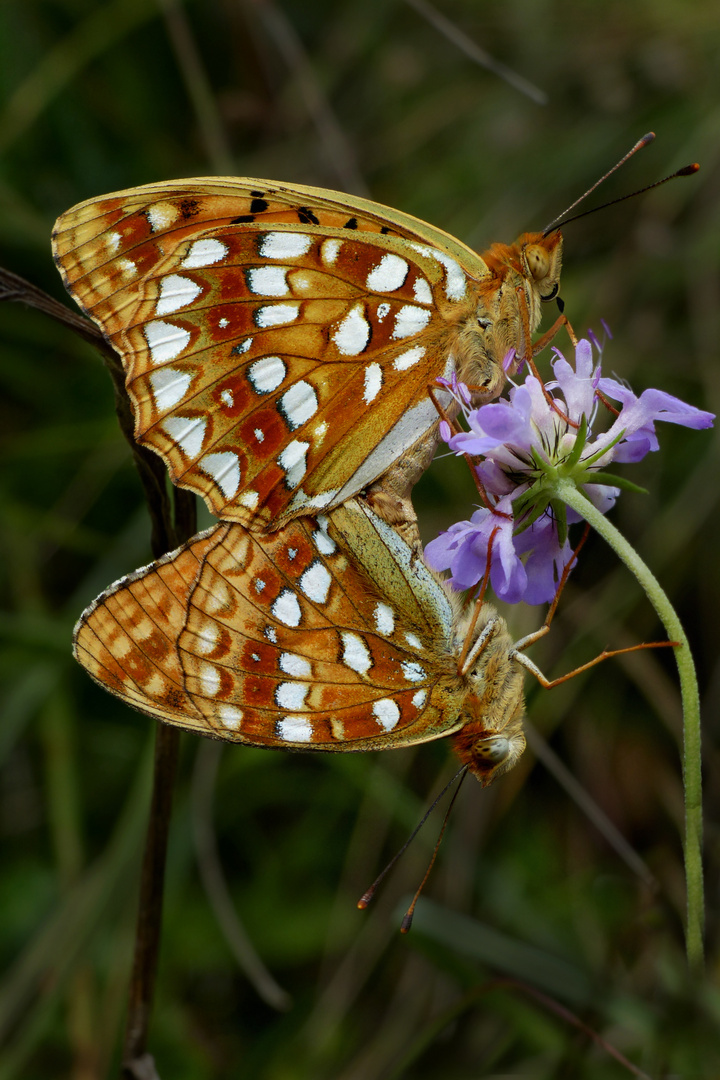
(327, 634)
(279, 340)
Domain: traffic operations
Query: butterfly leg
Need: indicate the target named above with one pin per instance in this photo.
(604, 655)
(545, 339)
(530, 639)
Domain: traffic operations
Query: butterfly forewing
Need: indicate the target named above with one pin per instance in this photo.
(278, 342)
(282, 639)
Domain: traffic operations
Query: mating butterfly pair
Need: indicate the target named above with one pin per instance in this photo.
(278, 343)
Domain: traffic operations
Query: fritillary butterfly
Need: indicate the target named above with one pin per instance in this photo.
(279, 340)
(327, 634)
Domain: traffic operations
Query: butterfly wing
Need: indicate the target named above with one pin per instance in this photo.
(278, 340)
(127, 638)
(285, 639)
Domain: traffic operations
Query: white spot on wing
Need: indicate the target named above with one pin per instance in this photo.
(188, 432)
(250, 499)
(324, 543)
(165, 341)
(414, 640)
(315, 582)
(382, 310)
(384, 619)
(356, 654)
(113, 240)
(227, 398)
(176, 292)
(419, 698)
(230, 716)
(353, 333)
(219, 598)
(294, 729)
(286, 608)
(409, 359)
(329, 251)
(271, 634)
(284, 245)
(298, 404)
(388, 275)
(317, 502)
(162, 215)
(209, 680)
(292, 461)
(422, 291)
(223, 323)
(266, 375)
(267, 281)
(455, 283)
(128, 267)
(225, 471)
(373, 382)
(294, 665)
(276, 314)
(207, 637)
(291, 695)
(410, 320)
(204, 253)
(386, 712)
(412, 671)
(169, 386)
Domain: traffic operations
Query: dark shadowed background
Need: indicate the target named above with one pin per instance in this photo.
(373, 98)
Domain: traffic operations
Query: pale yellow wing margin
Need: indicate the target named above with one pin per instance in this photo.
(234, 197)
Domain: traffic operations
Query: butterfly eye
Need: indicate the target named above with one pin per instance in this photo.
(538, 261)
(483, 322)
(494, 749)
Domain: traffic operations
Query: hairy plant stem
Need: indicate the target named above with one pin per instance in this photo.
(692, 775)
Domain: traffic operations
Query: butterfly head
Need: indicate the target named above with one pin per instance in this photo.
(487, 752)
(541, 262)
(522, 276)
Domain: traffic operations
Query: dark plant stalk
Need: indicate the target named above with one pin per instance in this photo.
(168, 531)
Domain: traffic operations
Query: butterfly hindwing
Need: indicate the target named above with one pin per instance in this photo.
(282, 639)
(127, 638)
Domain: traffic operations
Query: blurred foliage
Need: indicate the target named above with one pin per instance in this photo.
(97, 96)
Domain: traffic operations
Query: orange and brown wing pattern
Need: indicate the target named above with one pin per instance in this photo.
(277, 341)
(285, 639)
(127, 638)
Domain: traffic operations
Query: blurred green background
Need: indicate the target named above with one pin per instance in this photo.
(370, 97)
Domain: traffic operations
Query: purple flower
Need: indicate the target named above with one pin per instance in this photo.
(529, 442)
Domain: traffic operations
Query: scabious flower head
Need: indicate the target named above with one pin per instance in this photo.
(525, 445)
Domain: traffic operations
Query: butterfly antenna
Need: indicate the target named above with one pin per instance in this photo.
(687, 170)
(639, 145)
(368, 895)
(408, 916)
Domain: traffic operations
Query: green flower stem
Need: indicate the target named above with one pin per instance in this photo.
(692, 777)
